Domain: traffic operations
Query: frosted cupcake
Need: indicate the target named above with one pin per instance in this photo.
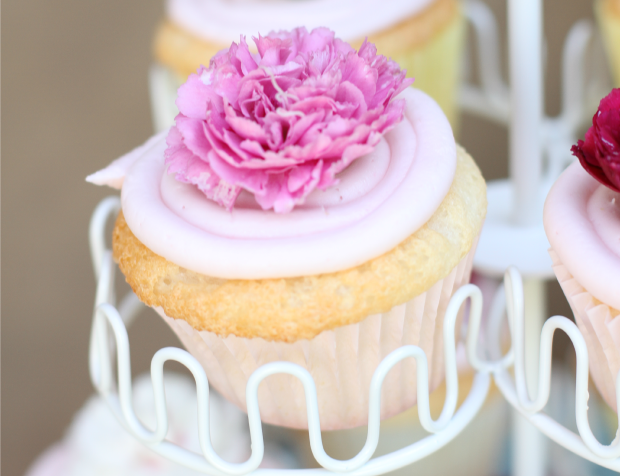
(582, 221)
(423, 36)
(97, 445)
(608, 16)
(314, 209)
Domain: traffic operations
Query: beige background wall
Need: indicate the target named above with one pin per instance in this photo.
(74, 97)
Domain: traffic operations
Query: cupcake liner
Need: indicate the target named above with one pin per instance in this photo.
(341, 361)
(600, 326)
(608, 16)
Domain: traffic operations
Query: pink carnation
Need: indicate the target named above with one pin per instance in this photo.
(600, 153)
(284, 121)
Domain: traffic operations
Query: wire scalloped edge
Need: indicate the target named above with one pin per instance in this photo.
(450, 423)
(515, 391)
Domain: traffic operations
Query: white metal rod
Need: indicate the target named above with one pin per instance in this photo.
(529, 445)
(526, 86)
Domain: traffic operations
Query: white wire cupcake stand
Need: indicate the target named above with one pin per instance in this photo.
(109, 343)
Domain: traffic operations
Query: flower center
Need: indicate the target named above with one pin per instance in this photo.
(282, 96)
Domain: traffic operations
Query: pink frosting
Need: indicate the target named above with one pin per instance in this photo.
(604, 213)
(364, 185)
(386, 197)
(114, 174)
(582, 222)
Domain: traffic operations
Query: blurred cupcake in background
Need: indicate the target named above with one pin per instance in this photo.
(423, 36)
(608, 16)
(97, 445)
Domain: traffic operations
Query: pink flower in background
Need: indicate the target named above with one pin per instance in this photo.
(599, 154)
(284, 121)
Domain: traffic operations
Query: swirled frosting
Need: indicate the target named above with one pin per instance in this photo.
(381, 200)
(582, 222)
(224, 20)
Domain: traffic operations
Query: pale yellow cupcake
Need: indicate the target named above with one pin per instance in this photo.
(427, 43)
(608, 16)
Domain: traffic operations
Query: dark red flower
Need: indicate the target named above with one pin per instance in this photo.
(599, 154)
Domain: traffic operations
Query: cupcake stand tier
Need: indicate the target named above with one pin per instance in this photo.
(118, 395)
(538, 152)
(109, 342)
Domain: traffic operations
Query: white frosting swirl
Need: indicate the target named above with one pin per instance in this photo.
(582, 222)
(381, 200)
(222, 20)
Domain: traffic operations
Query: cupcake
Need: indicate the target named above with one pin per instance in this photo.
(308, 206)
(97, 445)
(423, 36)
(608, 16)
(582, 222)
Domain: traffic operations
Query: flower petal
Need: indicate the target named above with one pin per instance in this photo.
(599, 154)
(285, 121)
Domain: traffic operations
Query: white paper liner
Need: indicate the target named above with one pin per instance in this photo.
(341, 361)
(600, 326)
